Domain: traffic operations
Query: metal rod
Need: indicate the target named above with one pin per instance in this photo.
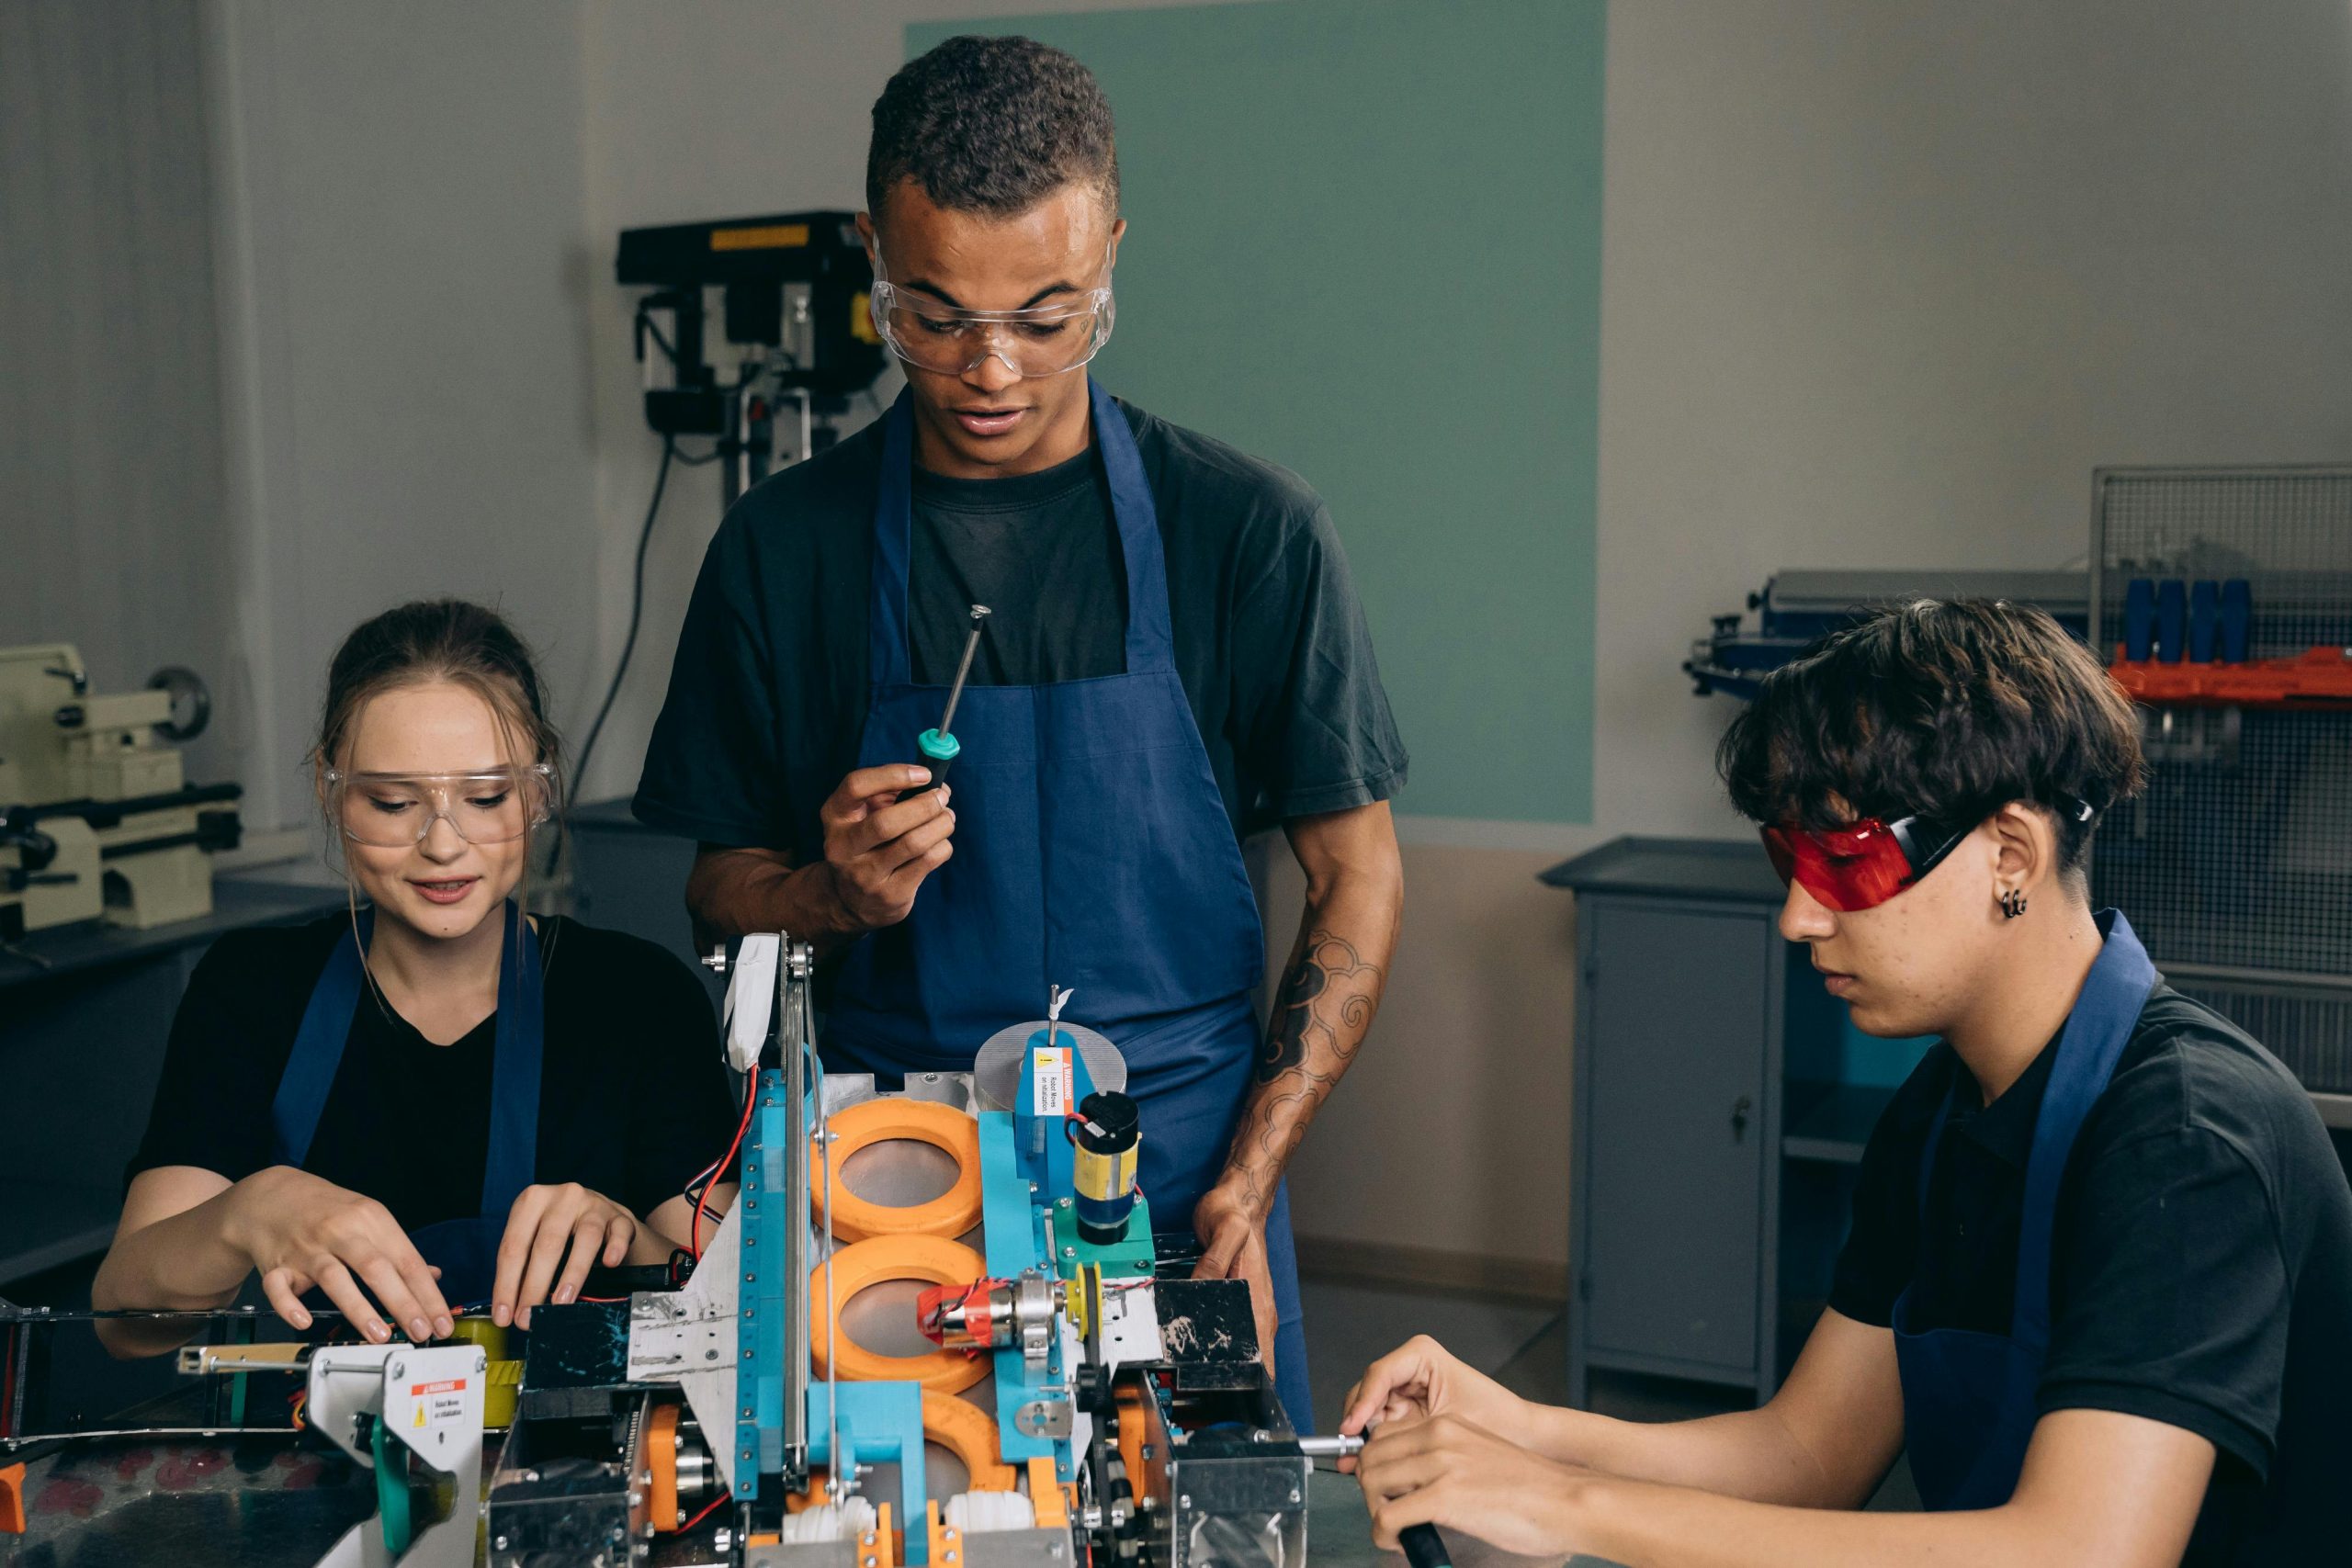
(963, 670)
(1330, 1447)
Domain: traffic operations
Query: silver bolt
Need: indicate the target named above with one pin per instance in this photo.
(680, 1521)
(1294, 1494)
(498, 1544)
(1185, 1501)
(636, 1498)
(400, 1369)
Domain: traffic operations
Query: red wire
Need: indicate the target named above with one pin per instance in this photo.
(702, 1200)
(707, 1509)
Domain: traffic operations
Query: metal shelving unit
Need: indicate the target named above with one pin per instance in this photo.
(2236, 864)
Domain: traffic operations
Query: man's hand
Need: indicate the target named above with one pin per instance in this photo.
(545, 1225)
(1422, 1379)
(1444, 1470)
(878, 849)
(305, 1233)
(1233, 1246)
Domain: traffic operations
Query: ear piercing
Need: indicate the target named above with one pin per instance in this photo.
(2013, 902)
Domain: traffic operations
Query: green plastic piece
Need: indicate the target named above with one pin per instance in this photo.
(939, 747)
(392, 1487)
(1120, 1260)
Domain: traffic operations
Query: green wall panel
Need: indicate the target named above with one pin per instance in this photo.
(1365, 243)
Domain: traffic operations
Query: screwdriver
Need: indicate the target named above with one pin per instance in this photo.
(1423, 1546)
(940, 747)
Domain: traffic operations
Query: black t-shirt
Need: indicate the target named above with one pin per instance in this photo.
(634, 1099)
(767, 699)
(1042, 552)
(2200, 1262)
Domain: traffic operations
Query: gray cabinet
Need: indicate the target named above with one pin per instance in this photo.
(1673, 1115)
(1681, 1245)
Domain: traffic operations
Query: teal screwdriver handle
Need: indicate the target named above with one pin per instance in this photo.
(939, 751)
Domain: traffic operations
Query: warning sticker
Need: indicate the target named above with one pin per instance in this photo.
(438, 1402)
(1051, 1072)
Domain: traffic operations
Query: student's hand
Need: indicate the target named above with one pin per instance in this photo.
(878, 849)
(305, 1233)
(1233, 1246)
(1420, 1378)
(546, 1224)
(1444, 1470)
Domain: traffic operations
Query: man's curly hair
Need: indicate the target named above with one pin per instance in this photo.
(991, 125)
(1947, 709)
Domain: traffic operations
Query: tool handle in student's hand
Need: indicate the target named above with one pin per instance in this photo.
(1424, 1548)
(939, 751)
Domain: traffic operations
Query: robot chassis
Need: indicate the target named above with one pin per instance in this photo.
(1107, 1410)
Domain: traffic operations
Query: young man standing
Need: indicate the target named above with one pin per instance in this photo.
(2099, 1277)
(1174, 656)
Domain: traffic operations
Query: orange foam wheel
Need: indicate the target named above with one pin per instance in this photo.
(965, 1430)
(661, 1464)
(931, 1258)
(890, 1119)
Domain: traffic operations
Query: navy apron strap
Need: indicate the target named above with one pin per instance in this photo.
(309, 1078)
(2112, 998)
(885, 636)
(309, 1075)
(1152, 641)
(513, 1156)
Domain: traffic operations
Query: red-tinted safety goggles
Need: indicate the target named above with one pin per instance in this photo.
(1865, 863)
(1862, 865)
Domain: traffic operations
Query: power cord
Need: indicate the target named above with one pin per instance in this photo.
(629, 644)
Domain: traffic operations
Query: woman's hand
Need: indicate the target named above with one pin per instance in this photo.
(1444, 1470)
(303, 1232)
(544, 1225)
(1420, 1378)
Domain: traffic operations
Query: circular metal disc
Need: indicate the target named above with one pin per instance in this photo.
(996, 1071)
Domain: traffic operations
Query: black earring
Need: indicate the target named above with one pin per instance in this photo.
(2013, 902)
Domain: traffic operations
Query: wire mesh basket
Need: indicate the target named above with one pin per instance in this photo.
(2235, 867)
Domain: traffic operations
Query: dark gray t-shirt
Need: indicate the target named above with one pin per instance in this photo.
(1042, 552)
(767, 698)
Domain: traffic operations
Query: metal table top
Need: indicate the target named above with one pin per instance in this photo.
(262, 1503)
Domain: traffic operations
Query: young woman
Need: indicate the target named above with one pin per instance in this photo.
(2099, 1277)
(433, 1102)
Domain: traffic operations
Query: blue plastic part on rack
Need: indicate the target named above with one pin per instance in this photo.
(2140, 620)
(2237, 619)
(2204, 621)
(2172, 619)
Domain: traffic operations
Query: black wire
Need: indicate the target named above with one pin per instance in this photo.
(636, 615)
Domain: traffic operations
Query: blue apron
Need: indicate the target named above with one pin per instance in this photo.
(1092, 850)
(465, 1250)
(1968, 1397)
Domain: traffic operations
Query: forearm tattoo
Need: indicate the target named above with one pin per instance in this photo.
(1328, 998)
(1326, 1004)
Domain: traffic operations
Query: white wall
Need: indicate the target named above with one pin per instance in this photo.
(403, 268)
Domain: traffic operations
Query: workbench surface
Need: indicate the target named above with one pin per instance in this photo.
(262, 1503)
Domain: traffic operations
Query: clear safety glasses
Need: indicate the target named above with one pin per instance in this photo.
(1044, 340)
(396, 811)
